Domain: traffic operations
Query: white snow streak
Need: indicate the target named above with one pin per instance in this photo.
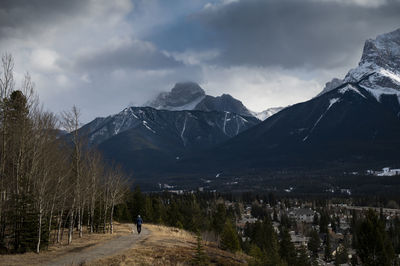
(183, 131)
(391, 75)
(224, 128)
(350, 88)
(149, 128)
(331, 103)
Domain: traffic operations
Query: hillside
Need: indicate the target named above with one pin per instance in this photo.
(171, 246)
(157, 245)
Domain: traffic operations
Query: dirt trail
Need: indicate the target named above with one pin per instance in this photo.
(111, 247)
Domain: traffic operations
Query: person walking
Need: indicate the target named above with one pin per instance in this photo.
(139, 222)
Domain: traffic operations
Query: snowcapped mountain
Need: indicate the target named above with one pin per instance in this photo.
(355, 122)
(380, 61)
(344, 127)
(190, 96)
(143, 138)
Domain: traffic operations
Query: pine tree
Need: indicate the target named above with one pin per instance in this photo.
(314, 243)
(328, 251)
(257, 254)
(200, 258)
(303, 258)
(287, 250)
(229, 238)
(219, 218)
(374, 247)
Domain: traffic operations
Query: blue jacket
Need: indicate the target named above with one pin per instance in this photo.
(139, 221)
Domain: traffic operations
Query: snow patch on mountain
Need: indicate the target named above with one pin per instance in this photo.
(267, 113)
(377, 92)
(149, 128)
(350, 88)
(333, 101)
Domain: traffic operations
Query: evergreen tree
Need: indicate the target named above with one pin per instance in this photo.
(257, 254)
(302, 257)
(219, 218)
(136, 203)
(200, 257)
(374, 247)
(287, 250)
(229, 238)
(328, 251)
(314, 243)
(174, 216)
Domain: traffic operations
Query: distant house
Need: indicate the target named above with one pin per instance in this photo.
(298, 240)
(301, 214)
(386, 171)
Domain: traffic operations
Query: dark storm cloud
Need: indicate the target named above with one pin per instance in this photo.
(129, 54)
(20, 17)
(293, 33)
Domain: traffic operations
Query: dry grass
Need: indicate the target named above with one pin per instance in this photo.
(57, 250)
(170, 246)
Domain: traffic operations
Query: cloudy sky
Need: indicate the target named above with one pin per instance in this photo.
(103, 55)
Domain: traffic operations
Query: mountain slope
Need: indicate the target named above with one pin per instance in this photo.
(145, 139)
(356, 123)
(342, 127)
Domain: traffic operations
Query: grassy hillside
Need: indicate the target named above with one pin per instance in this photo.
(171, 246)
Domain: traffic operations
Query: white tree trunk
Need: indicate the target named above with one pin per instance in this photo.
(39, 230)
(111, 219)
(71, 225)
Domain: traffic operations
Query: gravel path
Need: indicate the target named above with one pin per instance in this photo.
(111, 247)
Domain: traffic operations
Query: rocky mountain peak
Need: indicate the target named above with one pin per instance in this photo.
(190, 96)
(384, 51)
(181, 95)
(380, 61)
(186, 90)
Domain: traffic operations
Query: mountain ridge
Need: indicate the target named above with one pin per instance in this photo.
(190, 96)
(354, 124)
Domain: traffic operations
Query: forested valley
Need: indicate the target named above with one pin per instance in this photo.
(371, 238)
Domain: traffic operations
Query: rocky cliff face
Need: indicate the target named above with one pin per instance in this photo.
(380, 61)
(190, 96)
(183, 96)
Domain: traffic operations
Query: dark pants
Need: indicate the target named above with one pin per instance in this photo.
(139, 228)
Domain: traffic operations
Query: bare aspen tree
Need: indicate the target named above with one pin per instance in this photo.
(117, 189)
(57, 193)
(70, 122)
(47, 178)
(96, 169)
